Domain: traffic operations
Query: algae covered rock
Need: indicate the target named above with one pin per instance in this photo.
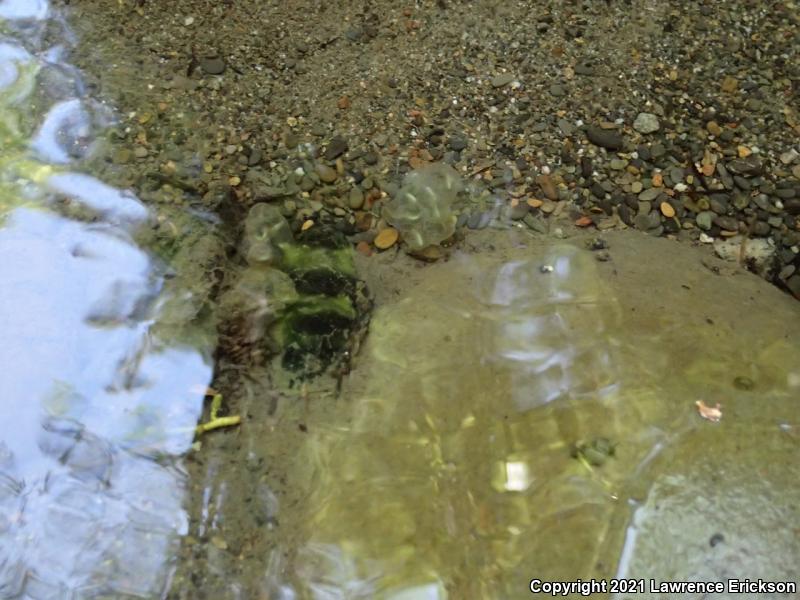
(422, 210)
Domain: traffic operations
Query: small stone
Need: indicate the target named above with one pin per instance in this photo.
(336, 147)
(457, 143)
(713, 128)
(647, 221)
(789, 157)
(502, 80)
(386, 238)
(536, 223)
(518, 211)
(657, 150)
(605, 138)
(793, 283)
(704, 220)
(636, 187)
(364, 248)
(727, 223)
(729, 84)
(760, 228)
(140, 152)
(649, 194)
(646, 123)
(548, 187)
(212, 65)
(122, 156)
(618, 164)
(667, 210)
(326, 173)
(587, 168)
(356, 198)
(534, 202)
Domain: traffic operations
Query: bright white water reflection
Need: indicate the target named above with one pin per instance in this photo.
(96, 409)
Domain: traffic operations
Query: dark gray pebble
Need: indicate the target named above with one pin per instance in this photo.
(336, 147)
(605, 138)
(212, 66)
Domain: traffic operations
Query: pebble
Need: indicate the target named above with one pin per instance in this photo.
(605, 138)
(713, 128)
(646, 123)
(548, 187)
(336, 147)
(140, 152)
(502, 80)
(618, 164)
(667, 210)
(212, 65)
(760, 228)
(518, 211)
(793, 283)
(386, 238)
(457, 143)
(636, 187)
(727, 223)
(587, 168)
(356, 198)
(326, 173)
(649, 194)
(647, 221)
(536, 223)
(657, 150)
(789, 157)
(729, 84)
(704, 219)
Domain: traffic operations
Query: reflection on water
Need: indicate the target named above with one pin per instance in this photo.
(458, 464)
(98, 409)
(506, 434)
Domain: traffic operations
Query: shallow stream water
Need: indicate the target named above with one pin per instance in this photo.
(520, 411)
(98, 408)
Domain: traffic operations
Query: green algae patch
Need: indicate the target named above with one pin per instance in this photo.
(319, 270)
(312, 330)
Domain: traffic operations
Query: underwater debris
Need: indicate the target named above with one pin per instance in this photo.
(421, 211)
(710, 413)
(215, 421)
